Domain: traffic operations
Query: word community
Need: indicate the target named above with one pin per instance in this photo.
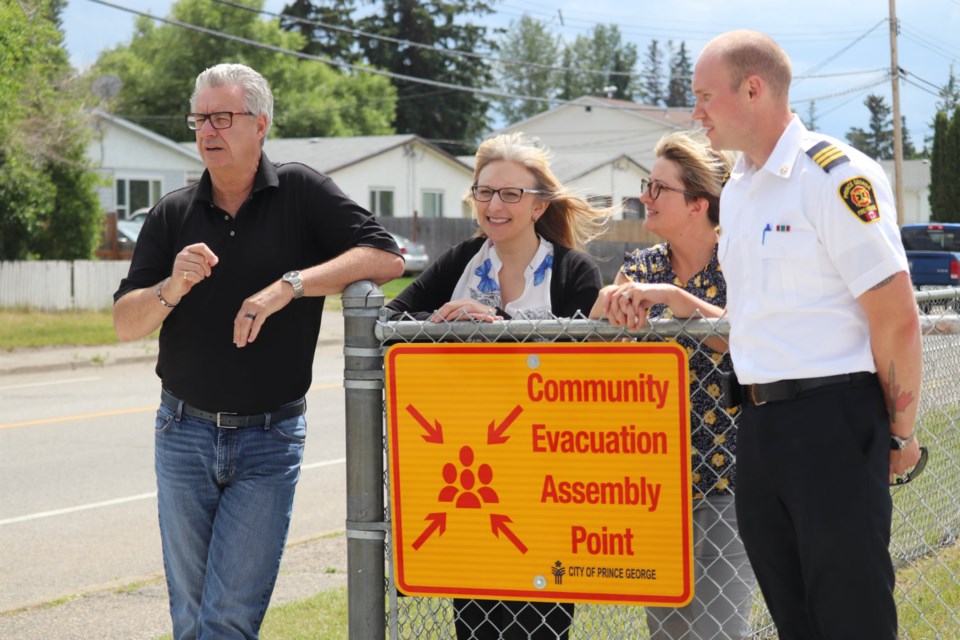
(642, 389)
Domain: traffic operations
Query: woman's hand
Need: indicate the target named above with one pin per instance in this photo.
(465, 309)
(627, 304)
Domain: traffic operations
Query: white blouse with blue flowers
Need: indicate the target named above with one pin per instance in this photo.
(479, 282)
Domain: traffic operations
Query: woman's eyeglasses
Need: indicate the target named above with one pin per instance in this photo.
(656, 187)
(508, 195)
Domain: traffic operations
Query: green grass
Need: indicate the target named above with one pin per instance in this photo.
(928, 599)
(322, 616)
(27, 329)
(23, 329)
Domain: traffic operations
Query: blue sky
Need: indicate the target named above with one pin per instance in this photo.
(840, 49)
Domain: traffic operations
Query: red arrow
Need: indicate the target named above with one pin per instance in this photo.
(434, 434)
(495, 434)
(438, 521)
(499, 523)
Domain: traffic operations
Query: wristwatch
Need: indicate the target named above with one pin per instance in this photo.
(899, 444)
(293, 278)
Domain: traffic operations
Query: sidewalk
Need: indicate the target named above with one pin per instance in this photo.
(139, 611)
(21, 361)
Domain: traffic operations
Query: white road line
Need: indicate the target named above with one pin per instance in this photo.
(48, 383)
(143, 496)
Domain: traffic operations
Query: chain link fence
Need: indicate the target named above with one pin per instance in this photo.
(926, 521)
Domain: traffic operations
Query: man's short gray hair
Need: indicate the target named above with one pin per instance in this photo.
(257, 96)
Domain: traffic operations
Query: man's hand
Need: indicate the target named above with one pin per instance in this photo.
(191, 266)
(257, 308)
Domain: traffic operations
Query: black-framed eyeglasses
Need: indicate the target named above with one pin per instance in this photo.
(218, 120)
(913, 473)
(508, 195)
(656, 187)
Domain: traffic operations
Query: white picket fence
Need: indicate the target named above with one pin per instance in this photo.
(60, 285)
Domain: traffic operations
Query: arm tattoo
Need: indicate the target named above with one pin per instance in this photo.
(897, 400)
(882, 283)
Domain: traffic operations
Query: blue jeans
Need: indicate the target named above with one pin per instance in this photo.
(225, 499)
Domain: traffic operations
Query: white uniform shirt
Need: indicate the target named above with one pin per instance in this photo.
(797, 251)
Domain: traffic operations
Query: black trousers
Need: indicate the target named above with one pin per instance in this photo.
(814, 508)
(509, 620)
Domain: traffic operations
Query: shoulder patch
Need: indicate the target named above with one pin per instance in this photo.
(857, 194)
(826, 155)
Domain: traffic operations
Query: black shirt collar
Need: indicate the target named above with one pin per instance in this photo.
(265, 178)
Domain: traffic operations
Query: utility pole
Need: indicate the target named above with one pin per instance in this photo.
(897, 128)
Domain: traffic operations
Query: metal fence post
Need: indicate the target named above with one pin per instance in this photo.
(365, 527)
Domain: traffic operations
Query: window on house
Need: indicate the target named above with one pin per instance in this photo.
(633, 209)
(133, 194)
(381, 202)
(600, 201)
(432, 204)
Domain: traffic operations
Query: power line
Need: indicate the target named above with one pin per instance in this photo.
(819, 66)
(372, 70)
(429, 47)
(909, 80)
(843, 93)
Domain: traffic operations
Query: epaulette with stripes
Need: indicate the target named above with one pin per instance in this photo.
(827, 155)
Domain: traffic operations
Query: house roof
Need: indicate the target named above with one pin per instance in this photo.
(916, 173)
(187, 150)
(330, 154)
(572, 165)
(675, 117)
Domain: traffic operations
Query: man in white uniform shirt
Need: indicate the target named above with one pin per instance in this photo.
(825, 340)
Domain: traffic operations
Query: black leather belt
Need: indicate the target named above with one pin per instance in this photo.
(227, 420)
(781, 390)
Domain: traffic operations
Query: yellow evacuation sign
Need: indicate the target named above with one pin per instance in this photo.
(550, 472)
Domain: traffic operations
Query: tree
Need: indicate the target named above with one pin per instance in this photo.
(527, 51)
(679, 92)
(599, 65)
(945, 167)
(454, 119)
(810, 122)
(949, 94)
(877, 142)
(332, 41)
(159, 66)
(651, 87)
(48, 202)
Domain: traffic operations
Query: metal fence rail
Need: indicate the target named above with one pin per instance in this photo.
(926, 522)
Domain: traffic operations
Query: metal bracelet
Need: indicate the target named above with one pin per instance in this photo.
(161, 299)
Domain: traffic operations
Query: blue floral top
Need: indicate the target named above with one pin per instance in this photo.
(713, 436)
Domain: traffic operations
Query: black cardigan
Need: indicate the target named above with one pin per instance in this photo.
(573, 286)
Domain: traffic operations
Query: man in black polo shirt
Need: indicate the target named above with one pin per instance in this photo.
(235, 269)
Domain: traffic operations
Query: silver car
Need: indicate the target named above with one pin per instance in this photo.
(414, 255)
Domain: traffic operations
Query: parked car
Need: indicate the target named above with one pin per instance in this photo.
(414, 255)
(119, 239)
(933, 253)
(139, 215)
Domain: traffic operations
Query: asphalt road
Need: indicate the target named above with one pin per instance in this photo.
(77, 490)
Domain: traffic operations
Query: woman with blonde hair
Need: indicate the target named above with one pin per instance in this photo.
(682, 278)
(526, 261)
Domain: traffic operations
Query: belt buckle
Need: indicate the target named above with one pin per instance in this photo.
(224, 413)
(753, 396)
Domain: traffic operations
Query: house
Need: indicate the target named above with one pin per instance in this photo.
(602, 147)
(916, 189)
(138, 166)
(397, 176)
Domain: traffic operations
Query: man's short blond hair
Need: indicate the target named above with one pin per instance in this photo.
(751, 53)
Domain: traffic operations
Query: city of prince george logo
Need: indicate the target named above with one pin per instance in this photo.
(857, 194)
